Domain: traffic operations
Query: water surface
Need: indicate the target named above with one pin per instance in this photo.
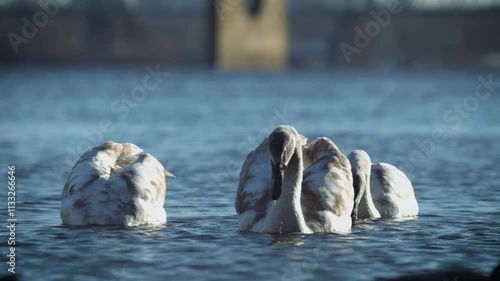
(201, 125)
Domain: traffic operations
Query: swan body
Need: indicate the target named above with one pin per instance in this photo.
(382, 190)
(286, 186)
(115, 184)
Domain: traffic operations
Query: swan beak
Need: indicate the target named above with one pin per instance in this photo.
(169, 174)
(277, 180)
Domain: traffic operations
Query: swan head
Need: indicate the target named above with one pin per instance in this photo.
(282, 144)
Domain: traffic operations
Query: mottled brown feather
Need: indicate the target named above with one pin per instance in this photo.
(324, 152)
(239, 203)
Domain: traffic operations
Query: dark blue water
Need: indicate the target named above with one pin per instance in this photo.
(201, 125)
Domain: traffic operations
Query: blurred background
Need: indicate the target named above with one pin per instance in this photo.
(252, 33)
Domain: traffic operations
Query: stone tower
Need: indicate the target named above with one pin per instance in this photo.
(254, 37)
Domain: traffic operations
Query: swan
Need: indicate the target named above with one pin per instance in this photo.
(115, 184)
(287, 187)
(381, 190)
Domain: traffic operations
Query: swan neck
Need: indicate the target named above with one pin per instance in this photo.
(292, 178)
(367, 200)
(286, 216)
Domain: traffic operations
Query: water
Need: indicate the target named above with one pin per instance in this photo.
(201, 125)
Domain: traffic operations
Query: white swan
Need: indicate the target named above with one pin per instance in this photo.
(381, 190)
(115, 184)
(285, 187)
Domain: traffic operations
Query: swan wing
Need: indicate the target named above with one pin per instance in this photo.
(327, 189)
(253, 197)
(392, 192)
(115, 184)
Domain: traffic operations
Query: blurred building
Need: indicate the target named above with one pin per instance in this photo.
(251, 36)
(318, 33)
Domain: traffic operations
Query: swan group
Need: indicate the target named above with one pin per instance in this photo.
(286, 185)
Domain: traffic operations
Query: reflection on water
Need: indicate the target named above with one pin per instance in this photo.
(289, 239)
(201, 125)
